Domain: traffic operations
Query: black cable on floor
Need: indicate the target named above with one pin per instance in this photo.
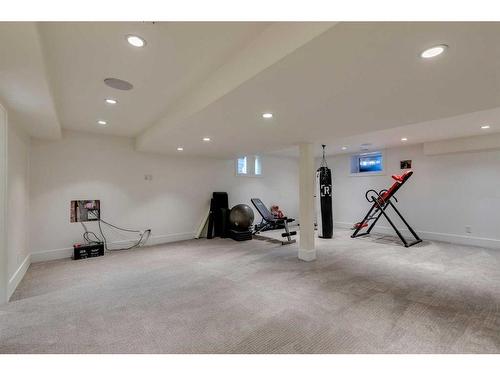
(142, 239)
(146, 234)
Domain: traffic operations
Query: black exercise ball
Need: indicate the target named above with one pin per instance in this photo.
(241, 217)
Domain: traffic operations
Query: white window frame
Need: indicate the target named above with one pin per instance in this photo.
(354, 164)
(236, 166)
(250, 166)
(255, 158)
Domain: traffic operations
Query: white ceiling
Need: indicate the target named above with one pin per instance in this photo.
(24, 88)
(465, 125)
(345, 83)
(177, 56)
(353, 79)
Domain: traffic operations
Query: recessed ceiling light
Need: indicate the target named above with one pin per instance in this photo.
(136, 41)
(111, 101)
(102, 122)
(433, 51)
(404, 139)
(180, 148)
(485, 127)
(206, 139)
(344, 148)
(267, 115)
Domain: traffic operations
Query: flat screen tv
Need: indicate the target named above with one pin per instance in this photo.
(370, 163)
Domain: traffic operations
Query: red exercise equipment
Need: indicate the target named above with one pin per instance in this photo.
(381, 201)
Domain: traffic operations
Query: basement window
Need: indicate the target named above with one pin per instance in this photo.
(241, 166)
(258, 165)
(368, 163)
(249, 165)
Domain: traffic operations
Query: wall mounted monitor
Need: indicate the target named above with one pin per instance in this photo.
(370, 163)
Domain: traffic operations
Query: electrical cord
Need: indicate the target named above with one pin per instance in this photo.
(123, 229)
(86, 237)
(143, 238)
(146, 234)
(87, 234)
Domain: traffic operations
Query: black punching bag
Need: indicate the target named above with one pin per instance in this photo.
(324, 208)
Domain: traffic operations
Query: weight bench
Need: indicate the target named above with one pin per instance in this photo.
(381, 200)
(270, 220)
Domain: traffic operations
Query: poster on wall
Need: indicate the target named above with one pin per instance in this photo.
(85, 210)
(405, 164)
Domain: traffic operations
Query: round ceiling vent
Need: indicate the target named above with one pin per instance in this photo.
(118, 84)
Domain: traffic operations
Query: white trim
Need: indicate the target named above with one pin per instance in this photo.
(491, 243)
(166, 238)
(250, 166)
(367, 174)
(18, 276)
(46, 255)
(67, 252)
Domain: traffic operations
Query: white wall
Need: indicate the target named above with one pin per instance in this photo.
(3, 205)
(84, 166)
(445, 194)
(18, 252)
(278, 185)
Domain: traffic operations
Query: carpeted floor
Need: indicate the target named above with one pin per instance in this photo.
(363, 295)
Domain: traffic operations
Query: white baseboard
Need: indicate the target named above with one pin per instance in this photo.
(166, 238)
(491, 243)
(54, 254)
(18, 276)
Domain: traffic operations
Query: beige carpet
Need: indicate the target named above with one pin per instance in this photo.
(363, 295)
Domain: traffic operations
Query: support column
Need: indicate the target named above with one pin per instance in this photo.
(3, 205)
(307, 250)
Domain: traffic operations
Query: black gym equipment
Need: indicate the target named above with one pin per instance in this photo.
(265, 226)
(210, 226)
(381, 200)
(324, 209)
(269, 220)
(241, 219)
(218, 217)
(241, 216)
